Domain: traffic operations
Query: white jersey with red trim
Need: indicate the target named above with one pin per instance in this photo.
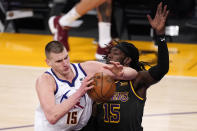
(78, 116)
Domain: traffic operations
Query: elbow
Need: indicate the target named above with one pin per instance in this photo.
(51, 118)
(129, 76)
(52, 121)
(166, 66)
(165, 69)
(162, 73)
(157, 73)
(135, 74)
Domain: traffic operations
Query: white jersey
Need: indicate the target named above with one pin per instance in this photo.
(78, 116)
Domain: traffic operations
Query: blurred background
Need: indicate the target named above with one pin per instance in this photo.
(128, 20)
(171, 104)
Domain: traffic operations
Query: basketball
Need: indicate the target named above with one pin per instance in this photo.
(104, 88)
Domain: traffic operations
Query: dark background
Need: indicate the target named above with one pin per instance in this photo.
(128, 21)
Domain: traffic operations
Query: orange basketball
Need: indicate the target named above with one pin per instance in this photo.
(104, 88)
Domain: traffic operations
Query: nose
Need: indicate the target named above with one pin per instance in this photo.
(109, 57)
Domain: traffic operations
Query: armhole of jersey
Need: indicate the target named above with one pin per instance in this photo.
(131, 85)
(82, 69)
(55, 83)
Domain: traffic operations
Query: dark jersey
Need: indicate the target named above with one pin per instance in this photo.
(123, 112)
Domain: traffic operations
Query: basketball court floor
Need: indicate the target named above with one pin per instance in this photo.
(171, 104)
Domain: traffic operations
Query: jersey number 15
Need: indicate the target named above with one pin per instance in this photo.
(111, 113)
(72, 118)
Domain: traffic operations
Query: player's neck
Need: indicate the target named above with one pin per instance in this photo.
(67, 76)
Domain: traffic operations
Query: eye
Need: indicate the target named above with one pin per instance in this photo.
(116, 53)
(58, 61)
(66, 57)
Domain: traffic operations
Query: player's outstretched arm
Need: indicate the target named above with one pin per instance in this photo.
(158, 24)
(120, 72)
(145, 79)
(162, 67)
(114, 69)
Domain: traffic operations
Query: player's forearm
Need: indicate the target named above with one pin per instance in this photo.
(128, 74)
(59, 110)
(162, 67)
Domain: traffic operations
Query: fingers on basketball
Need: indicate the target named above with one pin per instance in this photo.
(104, 88)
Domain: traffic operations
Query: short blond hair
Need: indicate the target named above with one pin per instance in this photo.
(54, 47)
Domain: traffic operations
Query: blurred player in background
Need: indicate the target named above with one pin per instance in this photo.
(59, 25)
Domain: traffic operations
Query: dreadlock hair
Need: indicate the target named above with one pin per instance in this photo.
(131, 51)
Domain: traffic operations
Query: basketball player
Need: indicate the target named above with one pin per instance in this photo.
(104, 12)
(124, 111)
(64, 104)
(59, 25)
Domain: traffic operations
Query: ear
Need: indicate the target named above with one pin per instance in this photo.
(48, 62)
(127, 61)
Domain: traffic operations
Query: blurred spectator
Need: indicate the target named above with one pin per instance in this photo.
(2, 15)
(56, 23)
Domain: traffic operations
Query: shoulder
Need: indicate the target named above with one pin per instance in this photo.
(143, 75)
(45, 79)
(144, 78)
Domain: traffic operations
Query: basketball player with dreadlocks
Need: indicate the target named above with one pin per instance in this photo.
(124, 111)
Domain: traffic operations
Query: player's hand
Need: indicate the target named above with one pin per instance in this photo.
(116, 68)
(158, 23)
(86, 85)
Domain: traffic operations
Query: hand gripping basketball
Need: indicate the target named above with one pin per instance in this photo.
(104, 88)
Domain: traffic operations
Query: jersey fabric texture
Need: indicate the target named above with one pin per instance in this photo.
(123, 112)
(78, 116)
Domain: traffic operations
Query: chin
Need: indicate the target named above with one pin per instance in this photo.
(65, 71)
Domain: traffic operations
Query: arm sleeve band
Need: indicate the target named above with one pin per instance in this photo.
(162, 67)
